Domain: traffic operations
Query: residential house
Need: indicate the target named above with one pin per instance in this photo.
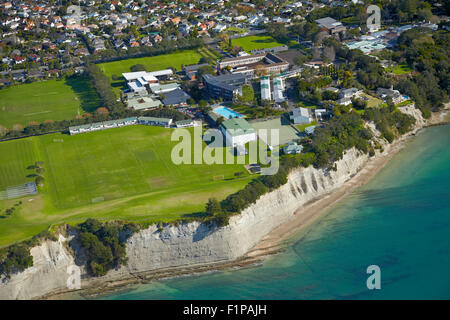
(396, 96)
(292, 148)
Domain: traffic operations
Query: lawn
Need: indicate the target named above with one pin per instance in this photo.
(154, 63)
(372, 101)
(255, 42)
(124, 173)
(302, 127)
(235, 30)
(46, 100)
(400, 69)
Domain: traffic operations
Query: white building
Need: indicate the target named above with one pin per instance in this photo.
(278, 89)
(237, 132)
(139, 81)
(265, 89)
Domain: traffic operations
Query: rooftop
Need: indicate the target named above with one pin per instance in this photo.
(237, 127)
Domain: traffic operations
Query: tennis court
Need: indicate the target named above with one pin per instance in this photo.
(286, 131)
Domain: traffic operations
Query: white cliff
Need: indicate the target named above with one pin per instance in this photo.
(195, 243)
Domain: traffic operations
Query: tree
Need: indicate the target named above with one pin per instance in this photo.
(39, 180)
(205, 70)
(329, 53)
(3, 131)
(213, 206)
(220, 120)
(137, 67)
(202, 103)
(16, 258)
(248, 94)
(17, 127)
(102, 111)
(300, 59)
(359, 103)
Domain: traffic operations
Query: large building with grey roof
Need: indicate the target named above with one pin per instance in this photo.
(225, 86)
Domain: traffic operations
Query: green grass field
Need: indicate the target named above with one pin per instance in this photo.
(46, 100)
(257, 42)
(171, 60)
(400, 69)
(123, 173)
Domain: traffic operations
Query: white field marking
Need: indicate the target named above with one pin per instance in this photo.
(45, 94)
(32, 114)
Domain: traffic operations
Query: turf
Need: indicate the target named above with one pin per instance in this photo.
(154, 63)
(400, 69)
(255, 42)
(302, 127)
(123, 173)
(372, 101)
(46, 100)
(15, 157)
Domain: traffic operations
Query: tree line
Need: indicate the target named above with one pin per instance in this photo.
(163, 47)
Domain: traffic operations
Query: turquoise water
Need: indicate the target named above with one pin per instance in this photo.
(399, 221)
(227, 113)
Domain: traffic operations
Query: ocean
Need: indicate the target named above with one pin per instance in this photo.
(399, 221)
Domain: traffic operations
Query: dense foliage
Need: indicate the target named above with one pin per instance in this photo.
(104, 244)
(14, 259)
(163, 47)
(389, 121)
(428, 54)
(103, 87)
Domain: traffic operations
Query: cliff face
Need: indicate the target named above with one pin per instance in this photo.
(49, 272)
(195, 242)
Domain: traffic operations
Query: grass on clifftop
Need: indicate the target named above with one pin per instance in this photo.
(123, 173)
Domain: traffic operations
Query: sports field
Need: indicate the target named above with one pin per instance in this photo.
(255, 42)
(122, 173)
(171, 60)
(46, 100)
